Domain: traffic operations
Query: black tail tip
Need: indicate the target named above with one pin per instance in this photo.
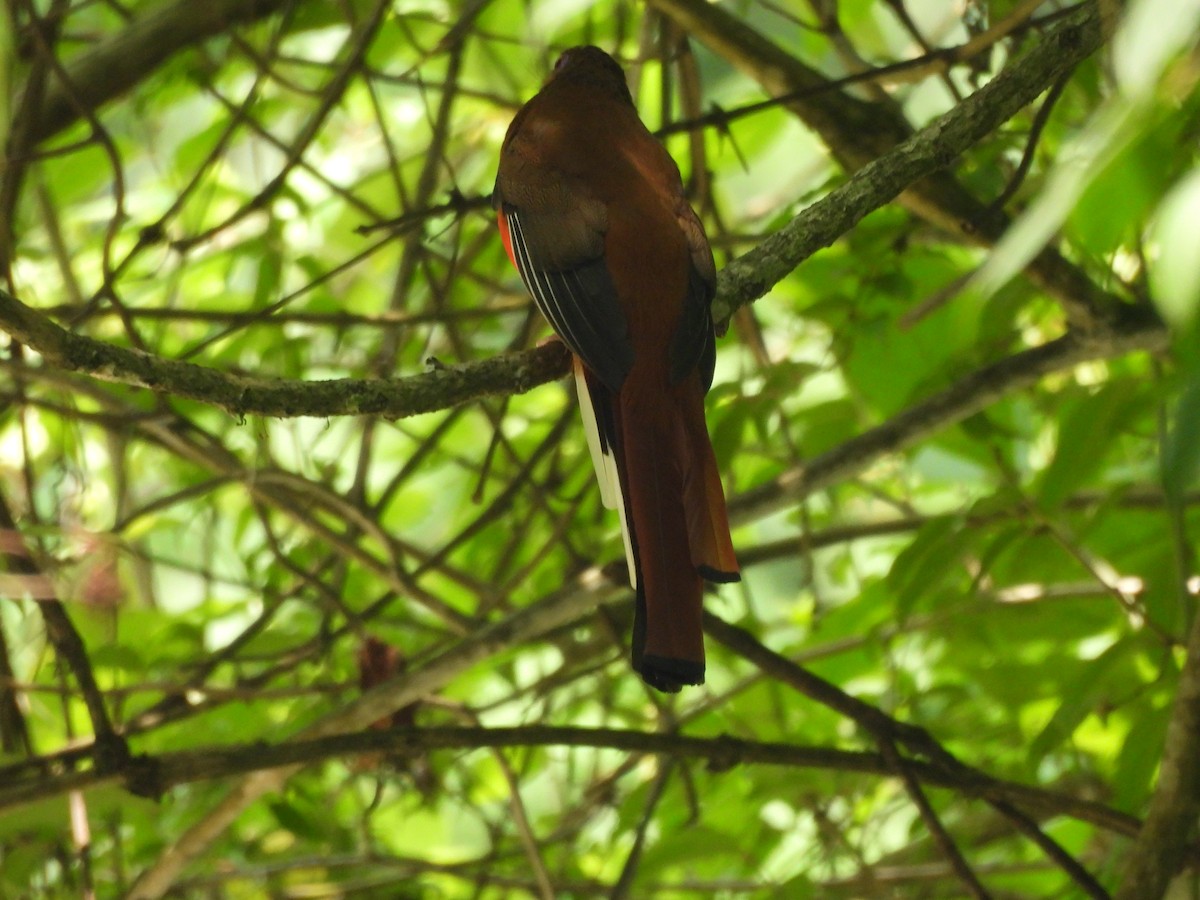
(669, 675)
(717, 576)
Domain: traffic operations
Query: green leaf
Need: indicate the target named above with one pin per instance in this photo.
(1138, 760)
(1174, 272)
(1093, 682)
(301, 819)
(1087, 429)
(1151, 34)
(1181, 451)
(920, 569)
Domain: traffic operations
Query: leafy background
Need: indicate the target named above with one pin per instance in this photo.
(250, 652)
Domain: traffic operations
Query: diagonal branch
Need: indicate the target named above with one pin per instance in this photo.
(1083, 879)
(889, 735)
(109, 750)
(941, 836)
(859, 133)
(969, 394)
(110, 68)
(903, 167)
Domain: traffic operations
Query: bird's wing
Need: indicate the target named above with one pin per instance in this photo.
(561, 259)
(565, 272)
(694, 346)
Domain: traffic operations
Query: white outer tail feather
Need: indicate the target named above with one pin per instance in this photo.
(605, 464)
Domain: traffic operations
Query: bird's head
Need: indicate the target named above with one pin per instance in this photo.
(591, 66)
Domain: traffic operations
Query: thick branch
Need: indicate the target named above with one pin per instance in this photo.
(441, 388)
(862, 133)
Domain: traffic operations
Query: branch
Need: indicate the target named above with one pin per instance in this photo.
(1057, 854)
(969, 394)
(110, 68)
(239, 395)
(579, 597)
(744, 280)
(941, 837)
(1171, 820)
(1136, 496)
(874, 721)
(274, 763)
(858, 131)
(109, 751)
(862, 133)
(889, 733)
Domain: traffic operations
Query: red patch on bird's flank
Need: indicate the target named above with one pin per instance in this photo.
(505, 237)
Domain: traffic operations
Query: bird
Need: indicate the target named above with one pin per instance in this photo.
(592, 213)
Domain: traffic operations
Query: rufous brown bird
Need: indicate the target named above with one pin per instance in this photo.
(593, 215)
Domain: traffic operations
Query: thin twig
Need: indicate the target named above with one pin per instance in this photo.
(109, 749)
(1059, 856)
(933, 824)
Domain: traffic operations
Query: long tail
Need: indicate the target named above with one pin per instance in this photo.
(676, 522)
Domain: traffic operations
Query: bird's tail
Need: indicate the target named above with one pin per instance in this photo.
(677, 527)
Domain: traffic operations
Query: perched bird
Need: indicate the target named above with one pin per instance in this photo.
(593, 215)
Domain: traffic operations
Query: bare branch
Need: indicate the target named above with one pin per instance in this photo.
(441, 388)
(109, 69)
